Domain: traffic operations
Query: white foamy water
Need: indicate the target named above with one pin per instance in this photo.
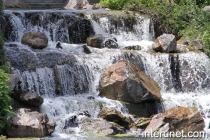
(67, 77)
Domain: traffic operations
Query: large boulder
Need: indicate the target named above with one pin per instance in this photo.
(177, 119)
(36, 40)
(15, 4)
(102, 127)
(165, 43)
(28, 98)
(80, 30)
(77, 4)
(125, 82)
(30, 124)
(99, 41)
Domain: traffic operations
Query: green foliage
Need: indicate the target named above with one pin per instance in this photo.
(113, 4)
(5, 100)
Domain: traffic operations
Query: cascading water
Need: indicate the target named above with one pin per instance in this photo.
(68, 79)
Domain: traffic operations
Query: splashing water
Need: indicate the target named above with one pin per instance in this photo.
(67, 77)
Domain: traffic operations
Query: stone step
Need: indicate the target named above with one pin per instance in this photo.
(46, 5)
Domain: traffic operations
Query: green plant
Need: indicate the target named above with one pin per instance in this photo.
(113, 4)
(5, 100)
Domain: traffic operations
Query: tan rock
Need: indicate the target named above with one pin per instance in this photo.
(30, 124)
(165, 43)
(102, 127)
(125, 82)
(35, 40)
(177, 119)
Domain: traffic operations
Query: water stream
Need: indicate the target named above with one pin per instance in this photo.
(68, 77)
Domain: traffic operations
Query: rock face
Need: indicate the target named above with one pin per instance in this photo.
(102, 127)
(177, 119)
(14, 79)
(15, 4)
(77, 4)
(99, 41)
(28, 98)
(125, 82)
(80, 30)
(35, 40)
(165, 43)
(30, 124)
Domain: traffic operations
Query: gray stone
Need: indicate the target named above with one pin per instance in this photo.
(99, 41)
(28, 98)
(30, 124)
(77, 4)
(102, 127)
(165, 43)
(135, 47)
(14, 79)
(198, 45)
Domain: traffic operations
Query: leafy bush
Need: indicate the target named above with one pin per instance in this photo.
(5, 100)
(113, 4)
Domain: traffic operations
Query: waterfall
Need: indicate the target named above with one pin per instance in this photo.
(67, 77)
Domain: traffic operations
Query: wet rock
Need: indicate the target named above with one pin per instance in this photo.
(135, 47)
(197, 44)
(102, 127)
(177, 119)
(125, 82)
(85, 113)
(15, 4)
(144, 109)
(30, 124)
(155, 124)
(113, 115)
(36, 40)
(156, 47)
(14, 79)
(99, 41)
(77, 4)
(86, 49)
(165, 43)
(17, 105)
(58, 46)
(80, 30)
(71, 122)
(28, 98)
(184, 118)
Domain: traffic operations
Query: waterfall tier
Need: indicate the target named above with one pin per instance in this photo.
(66, 77)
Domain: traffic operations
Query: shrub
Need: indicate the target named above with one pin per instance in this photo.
(113, 4)
(5, 100)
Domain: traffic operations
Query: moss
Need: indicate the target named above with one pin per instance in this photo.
(100, 104)
(123, 135)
